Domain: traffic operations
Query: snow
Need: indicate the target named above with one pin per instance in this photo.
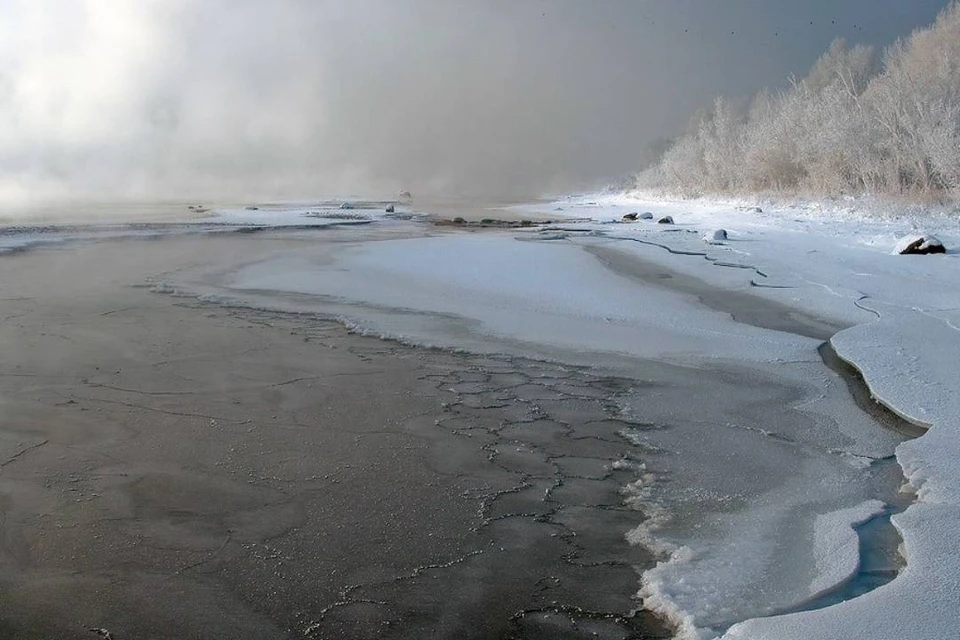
(544, 292)
(921, 603)
(905, 315)
(837, 545)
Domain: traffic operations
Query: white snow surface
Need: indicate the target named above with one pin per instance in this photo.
(836, 261)
(837, 545)
(544, 292)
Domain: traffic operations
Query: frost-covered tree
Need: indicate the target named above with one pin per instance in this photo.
(721, 140)
(851, 125)
(915, 104)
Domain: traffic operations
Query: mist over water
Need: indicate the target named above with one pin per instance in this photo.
(227, 99)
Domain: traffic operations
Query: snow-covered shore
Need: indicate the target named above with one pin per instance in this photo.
(904, 337)
(893, 317)
(834, 264)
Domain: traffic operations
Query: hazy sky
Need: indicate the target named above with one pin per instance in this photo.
(296, 98)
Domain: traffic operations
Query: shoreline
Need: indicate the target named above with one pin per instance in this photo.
(902, 338)
(759, 312)
(765, 314)
(761, 437)
(199, 467)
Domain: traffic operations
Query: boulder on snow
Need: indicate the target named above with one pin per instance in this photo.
(665, 220)
(932, 244)
(630, 217)
(390, 208)
(919, 245)
(715, 237)
(646, 215)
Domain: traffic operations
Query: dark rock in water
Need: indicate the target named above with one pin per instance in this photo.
(665, 220)
(487, 221)
(252, 208)
(646, 215)
(458, 220)
(716, 236)
(390, 208)
(754, 210)
(919, 245)
(631, 217)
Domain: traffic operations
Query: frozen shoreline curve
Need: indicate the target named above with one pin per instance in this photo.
(731, 551)
(904, 340)
(905, 358)
(685, 313)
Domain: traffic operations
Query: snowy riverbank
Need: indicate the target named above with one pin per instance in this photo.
(903, 312)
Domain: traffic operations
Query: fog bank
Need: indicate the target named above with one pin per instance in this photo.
(240, 98)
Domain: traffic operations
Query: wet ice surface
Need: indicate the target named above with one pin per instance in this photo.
(736, 455)
(740, 461)
(834, 259)
(738, 493)
(538, 446)
(567, 464)
(540, 293)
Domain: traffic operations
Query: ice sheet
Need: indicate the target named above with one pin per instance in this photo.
(553, 293)
(837, 545)
(737, 559)
(837, 262)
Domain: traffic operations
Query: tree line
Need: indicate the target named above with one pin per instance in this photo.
(858, 123)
